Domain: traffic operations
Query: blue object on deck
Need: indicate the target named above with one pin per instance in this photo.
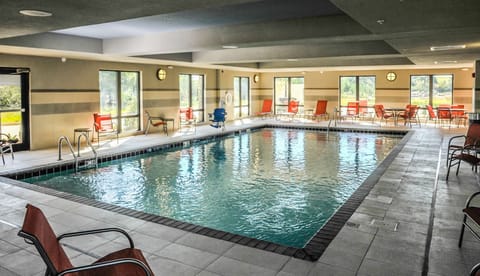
(218, 118)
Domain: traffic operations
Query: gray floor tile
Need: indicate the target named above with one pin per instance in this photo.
(227, 266)
(257, 257)
(187, 255)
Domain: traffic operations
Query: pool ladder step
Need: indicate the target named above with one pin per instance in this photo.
(88, 162)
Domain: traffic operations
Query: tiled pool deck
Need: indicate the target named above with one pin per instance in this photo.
(409, 209)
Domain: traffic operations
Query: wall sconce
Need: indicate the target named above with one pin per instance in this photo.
(161, 74)
(391, 76)
(256, 78)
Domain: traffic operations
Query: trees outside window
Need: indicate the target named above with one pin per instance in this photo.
(357, 88)
(434, 90)
(120, 97)
(288, 89)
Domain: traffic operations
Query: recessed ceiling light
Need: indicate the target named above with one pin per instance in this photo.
(292, 59)
(447, 47)
(35, 13)
(229, 47)
(381, 21)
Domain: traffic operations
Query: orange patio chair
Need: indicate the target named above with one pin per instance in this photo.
(320, 110)
(381, 114)
(352, 110)
(37, 231)
(410, 115)
(266, 108)
(431, 115)
(458, 114)
(155, 122)
(187, 118)
(444, 114)
(103, 126)
(292, 110)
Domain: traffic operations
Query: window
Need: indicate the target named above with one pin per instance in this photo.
(120, 97)
(357, 88)
(241, 96)
(431, 89)
(192, 94)
(286, 90)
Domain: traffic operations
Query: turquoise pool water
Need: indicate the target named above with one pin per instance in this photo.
(278, 185)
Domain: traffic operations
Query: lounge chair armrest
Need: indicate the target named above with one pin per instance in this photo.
(97, 231)
(470, 198)
(455, 137)
(106, 264)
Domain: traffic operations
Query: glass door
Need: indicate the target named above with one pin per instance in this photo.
(14, 112)
(192, 94)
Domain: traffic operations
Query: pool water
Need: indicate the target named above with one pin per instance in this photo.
(277, 185)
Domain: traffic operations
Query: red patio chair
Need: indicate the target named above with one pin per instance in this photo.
(320, 110)
(103, 126)
(155, 122)
(467, 140)
(187, 118)
(266, 108)
(381, 114)
(431, 115)
(352, 110)
(37, 231)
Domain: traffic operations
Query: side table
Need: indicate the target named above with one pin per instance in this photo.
(81, 130)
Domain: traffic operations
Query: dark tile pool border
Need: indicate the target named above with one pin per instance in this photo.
(311, 252)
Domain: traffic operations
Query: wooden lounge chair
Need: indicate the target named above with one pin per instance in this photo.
(320, 110)
(471, 218)
(155, 122)
(466, 141)
(37, 231)
(103, 126)
(266, 108)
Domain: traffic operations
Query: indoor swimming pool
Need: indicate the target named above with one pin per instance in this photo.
(273, 184)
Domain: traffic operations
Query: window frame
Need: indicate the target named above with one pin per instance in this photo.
(430, 86)
(357, 85)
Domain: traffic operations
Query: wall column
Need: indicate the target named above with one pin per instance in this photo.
(476, 88)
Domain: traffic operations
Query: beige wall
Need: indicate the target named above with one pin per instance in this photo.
(63, 96)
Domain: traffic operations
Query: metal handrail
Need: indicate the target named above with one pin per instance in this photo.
(89, 144)
(60, 140)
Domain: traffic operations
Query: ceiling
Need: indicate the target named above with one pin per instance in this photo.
(250, 34)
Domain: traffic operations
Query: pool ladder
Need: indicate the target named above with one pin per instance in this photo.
(76, 157)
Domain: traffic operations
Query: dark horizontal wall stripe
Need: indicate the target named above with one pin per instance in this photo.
(264, 88)
(64, 90)
(63, 108)
(467, 89)
(161, 89)
(315, 98)
(161, 103)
